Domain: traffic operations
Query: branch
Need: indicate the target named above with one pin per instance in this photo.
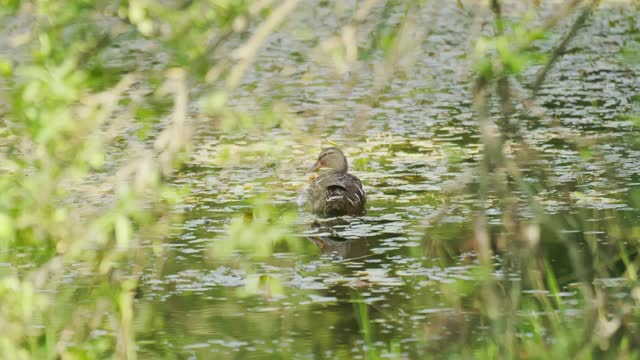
(561, 47)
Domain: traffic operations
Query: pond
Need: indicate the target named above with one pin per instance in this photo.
(403, 280)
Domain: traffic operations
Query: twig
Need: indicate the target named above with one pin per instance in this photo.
(560, 49)
(85, 56)
(497, 11)
(503, 87)
(248, 51)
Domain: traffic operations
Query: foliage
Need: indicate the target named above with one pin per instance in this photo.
(63, 202)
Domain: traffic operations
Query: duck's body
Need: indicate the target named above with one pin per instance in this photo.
(336, 192)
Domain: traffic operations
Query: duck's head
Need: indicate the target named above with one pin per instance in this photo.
(330, 158)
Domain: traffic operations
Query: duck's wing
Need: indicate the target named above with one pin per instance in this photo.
(346, 182)
(353, 185)
(341, 194)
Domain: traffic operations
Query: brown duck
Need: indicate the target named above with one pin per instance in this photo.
(335, 192)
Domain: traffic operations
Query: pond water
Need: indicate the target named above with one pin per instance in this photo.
(401, 281)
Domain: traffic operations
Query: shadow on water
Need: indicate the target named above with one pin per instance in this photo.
(340, 247)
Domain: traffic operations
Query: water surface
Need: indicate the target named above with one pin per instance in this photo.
(400, 281)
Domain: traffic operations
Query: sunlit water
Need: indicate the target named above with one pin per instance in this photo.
(417, 142)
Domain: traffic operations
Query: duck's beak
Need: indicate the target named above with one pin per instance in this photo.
(315, 167)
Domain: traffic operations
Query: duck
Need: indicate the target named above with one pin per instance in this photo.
(335, 192)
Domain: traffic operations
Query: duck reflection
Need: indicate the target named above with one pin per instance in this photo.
(330, 242)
